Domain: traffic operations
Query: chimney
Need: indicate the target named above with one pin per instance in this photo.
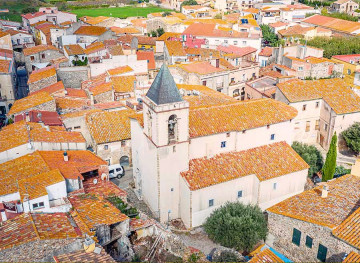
(27, 117)
(91, 98)
(324, 191)
(66, 157)
(85, 18)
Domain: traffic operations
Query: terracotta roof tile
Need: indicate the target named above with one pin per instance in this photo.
(4, 33)
(349, 229)
(78, 113)
(335, 92)
(73, 50)
(95, 20)
(266, 52)
(83, 256)
(90, 30)
(168, 36)
(30, 102)
(241, 51)
(71, 103)
(119, 70)
(125, 30)
(241, 116)
(36, 49)
(109, 126)
(101, 88)
(123, 84)
(352, 257)
(79, 162)
(147, 55)
(202, 68)
(94, 47)
(175, 48)
(79, 93)
(115, 50)
(265, 256)
(5, 66)
(309, 206)
(333, 23)
(265, 162)
(54, 88)
(40, 74)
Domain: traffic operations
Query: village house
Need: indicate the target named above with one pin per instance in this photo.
(40, 55)
(48, 118)
(197, 11)
(178, 147)
(344, 6)
(110, 135)
(212, 37)
(351, 66)
(90, 34)
(74, 53)
(51, 14)
(324, 107)
(42, 33)
(96, 52)
(264, 87)
(37, 101)
(296, 12)
(275, 27)
(25, 137)
(20, 39)
(294, 33)
(320, 224)
(42, 78)
(336, 25)
(174, 52)
(103, 21)
(7, 85)
(5, 40)
(264, 56)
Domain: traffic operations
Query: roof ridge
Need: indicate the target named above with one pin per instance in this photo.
(34, 226)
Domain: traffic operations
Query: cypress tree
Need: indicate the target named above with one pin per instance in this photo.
(329, 167)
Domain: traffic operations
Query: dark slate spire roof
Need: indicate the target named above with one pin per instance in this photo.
(164, 90)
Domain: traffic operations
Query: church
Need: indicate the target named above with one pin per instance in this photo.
(194, 149)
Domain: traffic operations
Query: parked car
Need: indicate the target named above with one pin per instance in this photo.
(116, 171)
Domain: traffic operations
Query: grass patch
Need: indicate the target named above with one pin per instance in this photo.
(121, 12)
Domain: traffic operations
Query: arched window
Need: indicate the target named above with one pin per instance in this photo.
(172, 126)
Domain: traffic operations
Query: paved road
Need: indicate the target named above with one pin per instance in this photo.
(124, 182)
(22, 87)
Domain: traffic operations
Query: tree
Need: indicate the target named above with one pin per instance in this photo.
(328, 170)
(352, 137)
(236, 225)
(336, 45)
(29, 9)
(153, 33)
(311, 156)
(269, 36)
(160, 31)
(166, 13)
(189, 2)
(218, 16)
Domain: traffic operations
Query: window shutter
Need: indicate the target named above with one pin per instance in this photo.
(322, 251)
(296, 237)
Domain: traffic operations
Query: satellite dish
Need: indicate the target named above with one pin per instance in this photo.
(103, 176)
(95, 181)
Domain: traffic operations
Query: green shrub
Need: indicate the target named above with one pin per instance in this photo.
(352, 137)
(236, 225)
(311, 156)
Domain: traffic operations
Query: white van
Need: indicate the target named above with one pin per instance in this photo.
(116, 170)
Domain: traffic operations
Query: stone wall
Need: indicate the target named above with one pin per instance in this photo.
(282, 228)
(114, 152)
(47, 106)
(104, 97)
(40, 250)
(41, 57)
(73, 76)
(43, 83)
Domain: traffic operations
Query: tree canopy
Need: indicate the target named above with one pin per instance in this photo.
(328, 170)
(311, 156)
(336, 45)
(352, 137)
(236, 225)
(269, 36)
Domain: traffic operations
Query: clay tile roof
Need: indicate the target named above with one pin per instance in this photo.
(40, 74)
(335, 92)
(36, 49)
(95, 20)
(143, 40)
(243, 115)
(348, 58)
(35, 186)
(207, 97)
(333, 23)
(51, 118)
(200, 29)
(95, 210)
(94, 47)
(309, 206)
(349, 229)
(4, 33)
(265, 256)
(30, 102)
(241, 51)
(251, 10)
(168, 35)
(278, 24)
(109, 126)
(17, 231)
(120, 70)
(201, 68)
(123, 84)
(17, 134)
(147, 55)
(71, 103)
(75, 49)
(265, 162)
(79, 162)
(78, 113)
(79, 93)
(5, 66)
(352, 257)
(54, 88)
(295, 31)
(175, 48)
(266, 52)
(125, 30)
(90, 30)
(83, 256)
(101, 88)
(115, 50)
